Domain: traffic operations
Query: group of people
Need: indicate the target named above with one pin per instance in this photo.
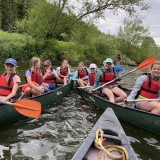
(103, 80)
(147, 86)
(37, 82)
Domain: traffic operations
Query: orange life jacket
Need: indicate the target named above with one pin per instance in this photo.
(82, 73)
(6, 84)
(50, 78)
(108, 76)
(150, 88)
(92, 77)
(36, 76)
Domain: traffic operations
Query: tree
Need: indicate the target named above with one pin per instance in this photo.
(11, 11)
(77, 10)
(133, 32)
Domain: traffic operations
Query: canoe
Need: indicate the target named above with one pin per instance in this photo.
(9, 114)
(133, 65)
(143, 119)
(113, 133)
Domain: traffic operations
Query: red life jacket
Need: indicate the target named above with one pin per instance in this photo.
(108, 76)
(150, 88)
(82, 73)
(6, 84)
(63, 71)
(37, 76)
(50, 78)
(92, 77)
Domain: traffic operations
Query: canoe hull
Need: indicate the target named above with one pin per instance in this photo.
(9, 113)
(114, 132)
(145, 120)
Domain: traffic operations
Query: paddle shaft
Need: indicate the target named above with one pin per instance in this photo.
(85, 87)
(115, 79)
(138, 100)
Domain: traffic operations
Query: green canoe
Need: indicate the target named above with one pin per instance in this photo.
(9, 114)
(143, 119)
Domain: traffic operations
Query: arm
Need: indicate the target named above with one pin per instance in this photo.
(137, 87)
(97, 79)
(16, 82)
(29, 81)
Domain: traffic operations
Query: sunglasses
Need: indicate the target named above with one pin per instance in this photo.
(10, 65)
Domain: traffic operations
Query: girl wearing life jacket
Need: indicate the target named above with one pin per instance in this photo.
(104, 76)
(34, 78)
(64, 72)
(147, 86)
(81, 75)
(9, 81)
(50, 75)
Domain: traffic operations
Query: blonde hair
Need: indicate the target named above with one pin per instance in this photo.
(65, 61)
(33, 61)
(81, 63)
(156, 62)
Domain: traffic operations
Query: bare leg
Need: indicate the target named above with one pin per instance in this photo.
(109, 94)
(27, 92)
(81, 82)
(121, 95)
(152, 106)
(65, 81)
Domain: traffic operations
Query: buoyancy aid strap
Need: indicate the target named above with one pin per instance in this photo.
(10, 78)
(6, 88)
(149, 91)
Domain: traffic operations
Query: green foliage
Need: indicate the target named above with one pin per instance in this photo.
(133, 32)
(11, 11)
(17, 46)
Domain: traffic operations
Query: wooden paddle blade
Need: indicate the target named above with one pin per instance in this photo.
(147, 63)
(29, 108)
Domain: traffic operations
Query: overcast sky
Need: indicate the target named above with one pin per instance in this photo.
(151, 21)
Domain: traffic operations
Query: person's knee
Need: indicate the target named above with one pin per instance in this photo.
(27, 90)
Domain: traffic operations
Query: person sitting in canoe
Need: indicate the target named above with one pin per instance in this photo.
(50, 75)
(9, 81)
(34, 79)
(81, 75)
(64, 72)
(104, 76)
(147, 86)
(92, 75)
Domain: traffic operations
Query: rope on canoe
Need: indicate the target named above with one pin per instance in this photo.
(98, 142)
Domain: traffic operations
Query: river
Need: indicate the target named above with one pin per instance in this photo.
(60, 130)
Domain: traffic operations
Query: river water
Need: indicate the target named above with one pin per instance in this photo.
(60, 130)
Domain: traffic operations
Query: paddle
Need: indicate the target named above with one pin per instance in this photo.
(138, 100)
(120, 83)
(144, 65)
(29, 108)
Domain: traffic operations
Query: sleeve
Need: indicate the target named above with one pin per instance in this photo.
(28, 73)
(16, 79)
(69, 71)
(58, 70)
(55, 72)
(75, 76)
(137, 87)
